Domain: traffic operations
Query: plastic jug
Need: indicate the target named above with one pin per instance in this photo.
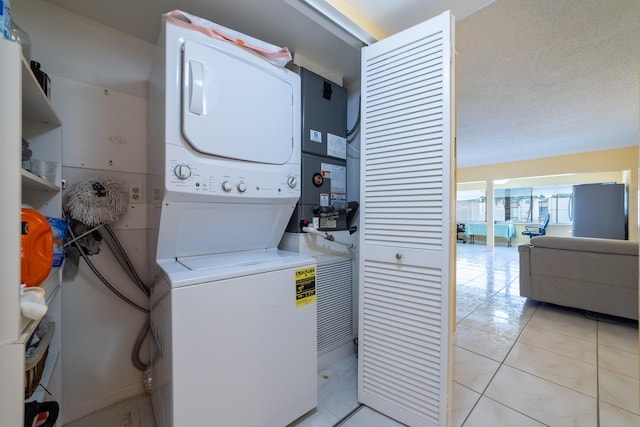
(36, 256)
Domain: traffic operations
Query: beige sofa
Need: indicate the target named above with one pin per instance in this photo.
(599, 275)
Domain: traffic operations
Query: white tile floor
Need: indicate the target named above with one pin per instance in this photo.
(134, 412)
(516, 363)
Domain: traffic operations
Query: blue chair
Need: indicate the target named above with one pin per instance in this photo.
(537, 230)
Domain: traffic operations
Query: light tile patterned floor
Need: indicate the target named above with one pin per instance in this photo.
(516, 362)
(134, 412)
(555, 366)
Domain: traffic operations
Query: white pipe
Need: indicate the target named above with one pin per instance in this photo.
(313, 230)
(326, 236)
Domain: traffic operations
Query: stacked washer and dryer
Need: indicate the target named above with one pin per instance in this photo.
(233, 317)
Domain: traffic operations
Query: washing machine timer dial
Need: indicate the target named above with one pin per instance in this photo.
(182, 171)
(292, 182)
(226, 186)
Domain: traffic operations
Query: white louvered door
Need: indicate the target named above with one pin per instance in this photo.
(407, 185)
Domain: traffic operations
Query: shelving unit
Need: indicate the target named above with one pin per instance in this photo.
(51, 286)
(34, 182)
(25, 112)
(53, 301)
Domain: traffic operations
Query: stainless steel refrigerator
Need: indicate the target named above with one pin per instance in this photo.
(599, 210)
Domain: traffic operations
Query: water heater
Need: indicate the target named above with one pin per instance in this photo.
(323, 199)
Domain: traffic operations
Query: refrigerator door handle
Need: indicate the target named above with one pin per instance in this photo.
(570, 209)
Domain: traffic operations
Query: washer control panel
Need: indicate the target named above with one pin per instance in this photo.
(230, 179)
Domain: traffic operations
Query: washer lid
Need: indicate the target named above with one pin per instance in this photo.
(202, 269)
(236, 105)
(240, 260)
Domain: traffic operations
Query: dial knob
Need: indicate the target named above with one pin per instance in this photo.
(242, 187)
(182, 171)
(226, 186)
(292, 181)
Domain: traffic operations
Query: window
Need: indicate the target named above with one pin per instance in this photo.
(512, 204)
(520, 204)
(531, 204)
(471, 205)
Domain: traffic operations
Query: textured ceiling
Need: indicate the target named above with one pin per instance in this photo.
(547, 77)
(535, 78)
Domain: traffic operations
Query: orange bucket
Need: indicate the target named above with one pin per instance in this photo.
(36, 255)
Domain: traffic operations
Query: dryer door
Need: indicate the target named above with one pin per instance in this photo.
(236, 106)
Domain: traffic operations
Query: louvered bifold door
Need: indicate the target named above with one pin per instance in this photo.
(406, 191)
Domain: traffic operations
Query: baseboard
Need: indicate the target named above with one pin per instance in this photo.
(75, 412)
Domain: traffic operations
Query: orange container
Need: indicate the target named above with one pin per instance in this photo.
(36, 255)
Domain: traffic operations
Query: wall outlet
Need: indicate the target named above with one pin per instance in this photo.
(135, 194)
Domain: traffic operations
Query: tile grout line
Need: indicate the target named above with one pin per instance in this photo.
(615, 405)
(482, 394)
(503, 364)
(349, 415)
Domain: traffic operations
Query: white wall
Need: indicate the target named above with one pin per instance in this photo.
(99, 91)
(68, 45)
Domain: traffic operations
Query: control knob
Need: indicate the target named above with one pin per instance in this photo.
(226, 186)
(242, 187)
(182, 171)
(292, 181)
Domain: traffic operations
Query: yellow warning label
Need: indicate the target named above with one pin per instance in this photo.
(305, 286)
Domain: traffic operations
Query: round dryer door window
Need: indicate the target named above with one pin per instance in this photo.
(236, 105)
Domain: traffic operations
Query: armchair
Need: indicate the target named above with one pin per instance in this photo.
(537, 230)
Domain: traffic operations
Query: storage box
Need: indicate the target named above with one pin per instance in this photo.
(34, 364)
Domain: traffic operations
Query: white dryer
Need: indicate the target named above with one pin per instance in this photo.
(233, 317)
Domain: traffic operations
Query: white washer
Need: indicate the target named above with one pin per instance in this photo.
(234, 344)
(233, 317)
